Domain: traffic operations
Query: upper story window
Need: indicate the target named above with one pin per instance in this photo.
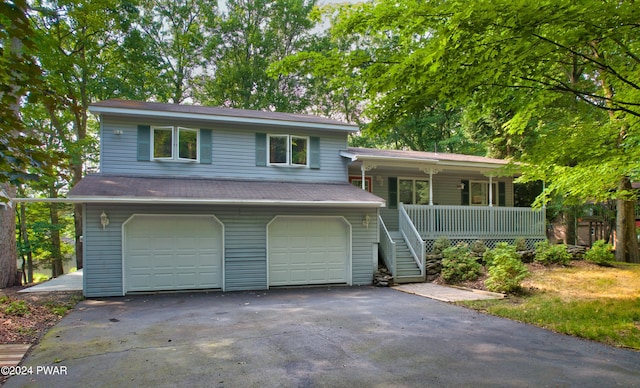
(288, 150)
(175, 143)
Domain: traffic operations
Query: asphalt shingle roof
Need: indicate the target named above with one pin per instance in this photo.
(108, 187)
(219, 112)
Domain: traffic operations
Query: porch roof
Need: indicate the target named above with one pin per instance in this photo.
(399, 158)
(173, 190)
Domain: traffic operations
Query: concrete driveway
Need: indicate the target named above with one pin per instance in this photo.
(318, 337)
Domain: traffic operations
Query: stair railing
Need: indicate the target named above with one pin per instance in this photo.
(388, 248)
(413, 239)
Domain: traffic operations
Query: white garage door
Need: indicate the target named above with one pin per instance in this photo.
(172, 252)
(308, 250)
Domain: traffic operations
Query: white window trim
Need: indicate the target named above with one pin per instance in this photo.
(289, 162)
(485, 199)
(177, 145)
(175, 142)
(413, 186)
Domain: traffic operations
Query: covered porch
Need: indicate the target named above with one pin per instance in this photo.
(404, 250)
(431, 195)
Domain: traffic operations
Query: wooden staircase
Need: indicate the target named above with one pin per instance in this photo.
(407, 270)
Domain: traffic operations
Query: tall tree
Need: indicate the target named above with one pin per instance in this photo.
(77, 39)
(176, 34)
(254, 34)
(19, 148)
(566, 72)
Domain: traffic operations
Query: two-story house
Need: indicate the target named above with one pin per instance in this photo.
(193, 197)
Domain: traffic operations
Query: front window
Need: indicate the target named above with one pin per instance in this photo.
(357, 181)
(288, 150)
(162, 143)
(187, 144)
(413, 191)
(479, 193)
(175, 143)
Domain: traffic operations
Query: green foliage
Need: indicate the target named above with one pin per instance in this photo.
(548, 254)
(506, 270)
(520, 243)
(600, 253)
(459, 264)
(440, 245)
(478, 247)
(18, 308)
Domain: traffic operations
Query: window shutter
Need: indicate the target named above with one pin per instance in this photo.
(205, 146)
(261, 149)
(465, 192)
(144, 142)
(314, 152)
(393, 192)
(502, 195)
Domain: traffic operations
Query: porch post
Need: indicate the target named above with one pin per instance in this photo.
(490, 191)
(362, 170)
(431, 187)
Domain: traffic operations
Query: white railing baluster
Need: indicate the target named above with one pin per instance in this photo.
(388, 247)
(412, 237)
(433, 221)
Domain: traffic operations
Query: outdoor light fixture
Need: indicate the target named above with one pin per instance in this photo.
(104, 220)
(365, 221)
(461, 186)
(117, 132)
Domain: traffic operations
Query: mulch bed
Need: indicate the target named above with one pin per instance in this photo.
(25, 317)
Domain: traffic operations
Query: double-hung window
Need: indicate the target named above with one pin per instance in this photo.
(175, 143)
(413, 191)
(288, 150)
(479, 193)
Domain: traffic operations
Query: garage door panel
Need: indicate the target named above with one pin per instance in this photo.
(172, 253)
(308, 251)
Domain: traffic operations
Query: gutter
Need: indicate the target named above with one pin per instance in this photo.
(207, 201)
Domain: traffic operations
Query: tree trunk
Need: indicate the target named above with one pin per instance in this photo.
(8, 251)
(56, 252)
(24, 236)
(626, 239)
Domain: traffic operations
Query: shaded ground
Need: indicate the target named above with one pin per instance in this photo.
(24, 317)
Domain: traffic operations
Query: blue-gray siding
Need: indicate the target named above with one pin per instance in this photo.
(245, 242)
(233, 153)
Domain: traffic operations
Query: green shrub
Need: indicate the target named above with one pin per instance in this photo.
(600, 253)
(490, 254)
(18, 308)
(547, 254)
(440, 245)
(520, 243)
(459, 264)
(478, 247)
(506, 271)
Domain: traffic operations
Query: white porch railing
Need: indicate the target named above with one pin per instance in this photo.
(433, 221)
(388, 248)
(413, 239)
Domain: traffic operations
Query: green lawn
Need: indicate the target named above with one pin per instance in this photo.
(584, 300)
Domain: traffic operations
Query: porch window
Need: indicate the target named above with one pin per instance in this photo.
(479, 193)
(413, 191)
(174, 143)
(357, 181)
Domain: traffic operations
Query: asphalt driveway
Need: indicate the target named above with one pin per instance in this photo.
(318, 337)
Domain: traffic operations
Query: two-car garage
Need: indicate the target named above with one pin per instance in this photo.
(183, 252)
